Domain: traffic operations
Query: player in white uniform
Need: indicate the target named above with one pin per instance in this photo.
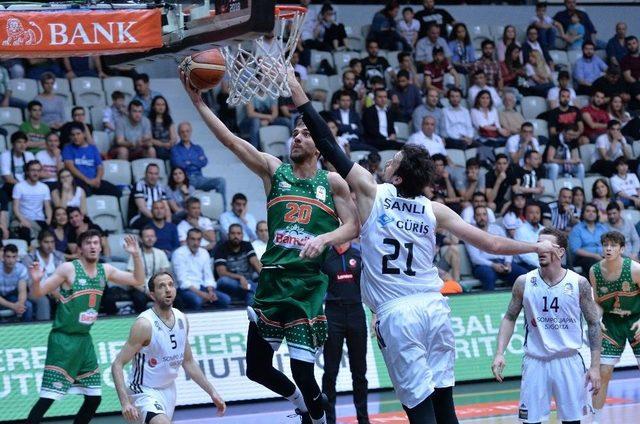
(399, 281)
(158, 344)
(554, 301)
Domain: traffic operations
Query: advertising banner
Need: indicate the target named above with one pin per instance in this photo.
(218, 341)
(67, 33)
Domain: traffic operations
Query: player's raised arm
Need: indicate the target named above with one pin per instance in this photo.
(126, 278)
(139, 336)
(193, 371)
(358, 178)
(507, 326)
(41, 288)
(591, 314)
(261, 164)
(448, 219)
(348, 214)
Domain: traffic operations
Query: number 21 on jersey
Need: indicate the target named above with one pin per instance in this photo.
(387, 269)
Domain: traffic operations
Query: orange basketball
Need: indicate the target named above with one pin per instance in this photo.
(204, 69)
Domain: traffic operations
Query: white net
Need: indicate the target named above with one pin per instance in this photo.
(259, 68)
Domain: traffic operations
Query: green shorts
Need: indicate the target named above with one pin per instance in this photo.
(288, 306)
(615, 337)
(71, 366)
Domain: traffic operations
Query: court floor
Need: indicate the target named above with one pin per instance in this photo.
(482, 403)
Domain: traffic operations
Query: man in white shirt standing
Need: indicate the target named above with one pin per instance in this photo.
(625, 185)
(194, 219)
(194, 274)
(12, 162)
(456, 125)
(427, 137)
(239, 215)
(519, 144)
(31, 203)
(51, 160)
(528, 231)
(480, 83)
(260, 244)
(553, 95)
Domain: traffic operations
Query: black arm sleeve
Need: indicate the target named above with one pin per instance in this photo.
(324, 140)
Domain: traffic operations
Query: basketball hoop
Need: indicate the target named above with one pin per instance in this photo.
(259, 69)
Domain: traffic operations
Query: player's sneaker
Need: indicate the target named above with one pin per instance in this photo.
(305, 418)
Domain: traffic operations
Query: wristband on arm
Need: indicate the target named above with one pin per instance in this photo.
(324, 140)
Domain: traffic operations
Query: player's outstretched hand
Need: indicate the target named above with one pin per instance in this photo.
(130, 413)
(313, 248)
(35, 272)
(131, 245)
(217, 400)
(593, 377)
(498, 366)
(546, 246)
(194, 93)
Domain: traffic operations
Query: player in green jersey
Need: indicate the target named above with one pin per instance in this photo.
(308, 209)
(616, 287)
(71, 365)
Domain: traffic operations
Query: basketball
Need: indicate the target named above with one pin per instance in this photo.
(204, 69)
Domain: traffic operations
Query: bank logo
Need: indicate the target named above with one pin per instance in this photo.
(292, 237)
(21, 33)
(88, 317)
(384, 219)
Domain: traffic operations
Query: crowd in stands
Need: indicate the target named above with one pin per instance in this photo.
(526, 128)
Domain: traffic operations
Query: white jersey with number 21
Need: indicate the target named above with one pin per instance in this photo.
(398, 248)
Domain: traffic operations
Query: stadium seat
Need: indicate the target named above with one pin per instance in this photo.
(497, 31)
(211, 202)
(573, 56)
(357, 155)
(273, 139)
(636, 148)
(402, 130)
(116, 245)
(470, 153)
(583, 100)
(587, 152)
(87, 91)
(560, 57)
(10, 119)
(392, 58)
(3, 143)
(123, 84)
(632, 215)
(468, 282)
(341, 59)
(23, 247)
(117, 172)
(540, 127)
(479, 31)
(532, 106)
(105, 212)
(317, 82)
(457, 156)
(317, 56)
(602, 54)
(549, 194)
(587, 185)
(318, 106)
(96, 113)
(139, 166)
(386, 155)
(23, 88)
(335, 82)
(569, 183)
(124, 205)
(364, 31)
(101, 140)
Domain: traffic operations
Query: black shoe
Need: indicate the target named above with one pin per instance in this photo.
(305, 417)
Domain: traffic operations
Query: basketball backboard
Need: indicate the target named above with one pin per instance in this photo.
(192, 26)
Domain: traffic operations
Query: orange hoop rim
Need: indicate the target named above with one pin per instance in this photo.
(285, 11)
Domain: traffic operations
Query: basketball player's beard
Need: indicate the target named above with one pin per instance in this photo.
(163, 306)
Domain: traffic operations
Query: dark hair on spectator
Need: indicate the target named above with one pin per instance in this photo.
(476, 103)
(238, 196)
(584, 209)
(18, 135)
(432, 24)
(117, 95)
(614, 237)
(571, 127)
(44, 234)
(526, 125)
(46, 77)
(376, 80)
(478, 72)
(377, 90)
(344, 93)
(479, 194)
(133, 103)
(402, 55)
(630, 38)
(454, 90)
(403, 73)
(147, 228)
(477, 208)
(612, 123)
(10, 247)
(454, 33)
(439, 157)
(563, 90)
(532, 204)
(561, 238)
(504, 32)
(416, 170)
(348, 71)
(528, 154)
(352, 62)
(613, 205)
(487, 43)
(59, 175)
(235, 225)
(369, 41)
(54, 221)
(166, 116)
(374, 157)
(193, 231)
(74, 125)
(512, 205)
(262, 221)
(501, 156)
(472, 162)
(143, 77)
(532, 26)
(390, 5)
(596, 91)
(30, 164)
(620, 161)
(588, 43)
(512, 64)
(407, 9)
(33, 103)
(542, 5)
(151, 165)
(172, 183)
(76, 108)
(49, 134)
(87, 235)
(191, 201)
(606, 184)
(151, 284)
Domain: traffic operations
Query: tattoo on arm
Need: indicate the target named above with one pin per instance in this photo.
(515, 306)
(591, 314)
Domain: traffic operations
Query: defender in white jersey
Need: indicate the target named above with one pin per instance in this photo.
(399, 281)
(554, 299)
(158, 345)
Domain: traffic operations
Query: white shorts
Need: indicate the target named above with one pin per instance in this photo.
(417, 343)
(563, 378)
(157, 401)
